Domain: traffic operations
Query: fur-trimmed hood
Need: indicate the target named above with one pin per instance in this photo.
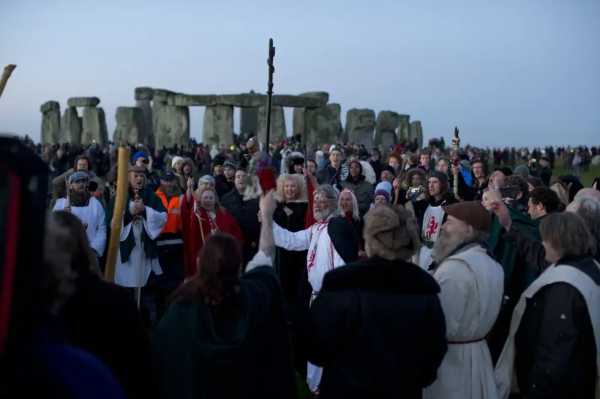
(379, 274)
(300, 182)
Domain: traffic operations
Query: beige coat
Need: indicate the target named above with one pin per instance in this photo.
(471, 285)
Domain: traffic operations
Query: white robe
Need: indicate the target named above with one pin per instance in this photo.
(135, 272)
(93, 218)
(505, 373)
(321, 258)
(471, 285)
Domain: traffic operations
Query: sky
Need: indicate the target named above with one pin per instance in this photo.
(520, 73)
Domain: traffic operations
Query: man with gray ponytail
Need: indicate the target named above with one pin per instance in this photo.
(331, 242)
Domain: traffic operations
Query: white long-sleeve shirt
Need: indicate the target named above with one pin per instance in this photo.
(93, 218)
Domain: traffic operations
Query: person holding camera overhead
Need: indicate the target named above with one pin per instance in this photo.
(87, 208)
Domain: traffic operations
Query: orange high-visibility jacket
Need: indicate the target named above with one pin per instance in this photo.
(173, 207)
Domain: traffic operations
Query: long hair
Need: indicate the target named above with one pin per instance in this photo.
(76, 243)
(67, 257)
(218, 275)
(355, 211)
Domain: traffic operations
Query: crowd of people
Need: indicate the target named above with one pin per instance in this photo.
(441, 272)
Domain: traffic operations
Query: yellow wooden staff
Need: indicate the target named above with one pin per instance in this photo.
(119, 209)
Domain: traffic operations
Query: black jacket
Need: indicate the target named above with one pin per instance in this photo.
(378, 329)
(246, 214)
(223, 186)
(556, 351)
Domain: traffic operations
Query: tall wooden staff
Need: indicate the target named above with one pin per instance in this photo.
(456, 147)
(5, 76)
(118, 210)
(270, 92)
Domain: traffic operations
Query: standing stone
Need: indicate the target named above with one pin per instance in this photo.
(416, 132)
(70, 127)
(298, 121)
(248, 122)
(50, 122)
(360, 124)
(385, 129)
(129, 129)
(323, 126)
(94, 126)
(218, 125)
(403, 132)
(171, 125)
(278, 131)
(147, 127)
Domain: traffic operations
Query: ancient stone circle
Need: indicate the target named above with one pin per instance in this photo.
(162, 118)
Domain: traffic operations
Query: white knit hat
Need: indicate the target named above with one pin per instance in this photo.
(176, 159)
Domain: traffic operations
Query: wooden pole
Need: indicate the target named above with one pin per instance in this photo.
(119, 209)
(5, 76)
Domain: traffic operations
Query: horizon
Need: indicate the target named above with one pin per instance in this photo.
(507, 74)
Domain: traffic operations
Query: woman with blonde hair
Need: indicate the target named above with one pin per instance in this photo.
(201, 216)
(290, 213)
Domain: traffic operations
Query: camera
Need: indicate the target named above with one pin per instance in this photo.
(415, 191)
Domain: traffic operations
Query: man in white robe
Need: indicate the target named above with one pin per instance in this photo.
(143, 220)
(87, 208)
(471, 285)
(331, 242)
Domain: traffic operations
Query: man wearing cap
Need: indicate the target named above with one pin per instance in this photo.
(471, 283)
(429, 212)
(143, 220)
(225, 183)
(143, 161)
(87, 208)
(170, 241)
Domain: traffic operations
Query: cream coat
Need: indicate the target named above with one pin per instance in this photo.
(471, 285)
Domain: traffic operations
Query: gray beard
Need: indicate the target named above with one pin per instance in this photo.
(320, 216)
(445, 245)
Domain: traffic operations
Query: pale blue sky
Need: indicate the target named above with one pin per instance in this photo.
(507, 72)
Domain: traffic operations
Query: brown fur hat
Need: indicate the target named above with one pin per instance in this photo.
(390, 233)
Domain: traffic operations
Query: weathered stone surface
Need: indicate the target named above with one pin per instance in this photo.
(49, 106)
(94, 126)
(248, 122)
(403, 131)
(416, 132)
(70, 127)
(83, 101)
(298, 122)
(144, 93)
(148, 127)
(385, 129)
(323, 95)
(129, 129)
(218, 125)
(322, 125)
(50, 122)
(239, 100)
(278, 131)
(360, 124)
(163, 96)
(171, 125)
